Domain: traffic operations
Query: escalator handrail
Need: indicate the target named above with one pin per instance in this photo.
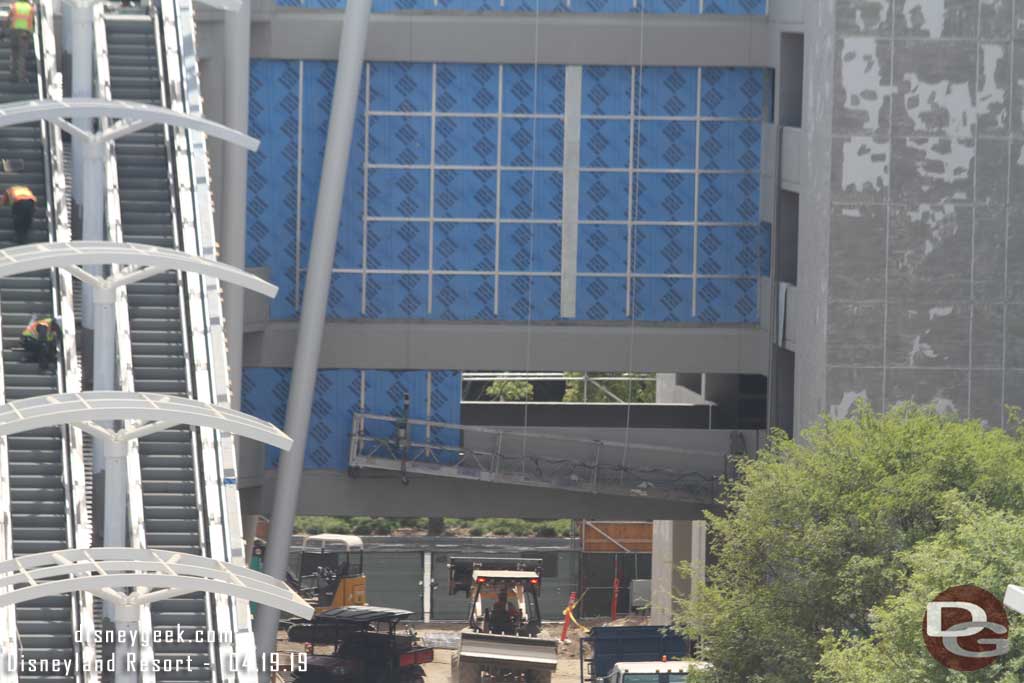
(122, 344)
(210, 477)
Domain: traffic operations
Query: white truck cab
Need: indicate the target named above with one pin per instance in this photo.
(652, 672)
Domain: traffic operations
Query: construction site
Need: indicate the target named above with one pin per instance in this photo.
(474, 263)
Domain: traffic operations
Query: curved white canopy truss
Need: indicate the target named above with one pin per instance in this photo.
(154, 574)
(147, 260)
(160, 411)
(133, 116)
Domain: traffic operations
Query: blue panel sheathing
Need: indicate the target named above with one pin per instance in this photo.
(531, 247)
(667, 91)
(662, 299)
(606, 90)
(730, 145)
(734, 250)
(729, 198)
(403, 140)
(466, 141)
(465, 194)
(671, 6)
(472, 218)
(603, 6)
(604, 143)
(317, 89)
(464, 246)
(345, 300)
(601, 298)
(340, 394)
(733, 93)
(723, 301)
(529, 89)
(391, 296)
(664, 197)
(661, 250)
(463, 297)
(602, 248)
(529, 297)
(398, 246)
(735, 7)
(604, 196)
(467, 88)
(392, 192)
(445, 406)
(529, 195)
(400, 86)
(532, 142)
(667, 144)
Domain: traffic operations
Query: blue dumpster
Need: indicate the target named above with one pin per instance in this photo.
(611, 644)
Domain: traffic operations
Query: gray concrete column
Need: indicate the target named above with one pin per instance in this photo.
(314, 301)
(674, 542)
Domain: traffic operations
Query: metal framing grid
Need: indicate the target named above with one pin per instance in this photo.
(570, 170)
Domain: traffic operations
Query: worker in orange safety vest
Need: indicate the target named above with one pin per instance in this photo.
(40, 338)
(20, 26)
(23, 208)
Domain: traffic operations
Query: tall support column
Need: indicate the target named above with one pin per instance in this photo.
(674, 542)
(236, 171)
(314, 301)
(78, 18)
(91, 181)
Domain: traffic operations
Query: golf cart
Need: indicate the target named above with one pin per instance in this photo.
(327, 571)
(367, 647)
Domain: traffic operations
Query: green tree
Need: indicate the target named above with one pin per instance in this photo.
(640, 388)
(979, 546)
(510, 390)
(813, 533)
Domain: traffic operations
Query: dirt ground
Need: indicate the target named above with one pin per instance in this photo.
(439, 671)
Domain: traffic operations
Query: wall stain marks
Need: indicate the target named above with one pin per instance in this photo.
(863, 82)
(865, 165)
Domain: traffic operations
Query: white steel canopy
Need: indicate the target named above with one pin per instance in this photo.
(156, 575)
(160, 410)
(134, 116)
(149, 260)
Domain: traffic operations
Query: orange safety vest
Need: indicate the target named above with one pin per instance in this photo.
(31, 329)
(22, 16)
(19, 193)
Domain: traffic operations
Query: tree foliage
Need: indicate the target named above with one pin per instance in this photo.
(641, 389)
(979, 546)
(816, 534)
(510, 390)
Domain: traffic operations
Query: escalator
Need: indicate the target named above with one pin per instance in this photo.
(39, 511)
(171, 507)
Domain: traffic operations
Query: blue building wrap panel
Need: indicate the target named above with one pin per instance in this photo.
(464, 246)
(340, 394)
(317, 92)
(273, 172)
(456, 192)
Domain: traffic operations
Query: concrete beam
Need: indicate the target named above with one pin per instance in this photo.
(628, 39)
(338, 494)
(430, 345)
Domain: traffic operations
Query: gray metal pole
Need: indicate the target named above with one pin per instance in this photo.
(236, 171)
(314, 302)
(86, 157)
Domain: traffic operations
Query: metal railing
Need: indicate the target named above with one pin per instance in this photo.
(223, 523)
(522, 457)
(123, 343)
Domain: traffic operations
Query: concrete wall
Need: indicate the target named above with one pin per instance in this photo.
(924, 292)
